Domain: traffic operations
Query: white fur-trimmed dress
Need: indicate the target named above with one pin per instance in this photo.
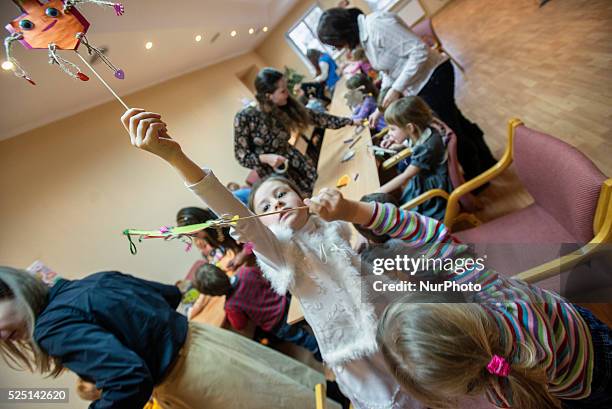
(317, 265)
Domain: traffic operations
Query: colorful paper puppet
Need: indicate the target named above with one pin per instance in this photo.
(54, 25)
(184, 233)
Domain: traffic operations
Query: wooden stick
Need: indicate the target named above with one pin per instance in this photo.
(102, 80)
(275, 212)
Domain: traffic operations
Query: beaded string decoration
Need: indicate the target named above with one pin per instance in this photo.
(186, 233)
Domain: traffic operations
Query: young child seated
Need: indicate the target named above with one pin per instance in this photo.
(522, 346)
(248, 296)
(307, 97)
(410, 123)
(358, 63)
(241, 192)
(367, 106)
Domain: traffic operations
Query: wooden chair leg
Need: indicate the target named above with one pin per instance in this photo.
(320, 396)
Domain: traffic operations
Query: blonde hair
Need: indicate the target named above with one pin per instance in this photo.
(439, 352)
(358, 54)
(409, 110)
(87, 390)
(30, 296)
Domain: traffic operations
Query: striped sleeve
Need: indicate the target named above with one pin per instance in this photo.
(406, 225)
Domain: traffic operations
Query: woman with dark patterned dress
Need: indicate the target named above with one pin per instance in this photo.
(262, 132)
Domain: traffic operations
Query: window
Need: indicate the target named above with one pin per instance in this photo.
(303, 35)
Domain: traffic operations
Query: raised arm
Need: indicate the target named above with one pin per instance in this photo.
(148, 132)
(325, 120)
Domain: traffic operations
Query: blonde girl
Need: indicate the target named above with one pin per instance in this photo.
(411, 124)
(521, 346)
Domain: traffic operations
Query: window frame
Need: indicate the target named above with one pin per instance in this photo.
(335, 54)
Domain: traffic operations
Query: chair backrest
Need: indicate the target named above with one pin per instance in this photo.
(561, 179)
(467, 201)
(424, 29)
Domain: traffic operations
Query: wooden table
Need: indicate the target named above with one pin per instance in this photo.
(330, 168)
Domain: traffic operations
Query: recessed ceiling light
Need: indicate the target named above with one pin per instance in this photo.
(198, 38)
(7, 65)
(233, 33)
(251, 30)
(265, 29)
(149, 45)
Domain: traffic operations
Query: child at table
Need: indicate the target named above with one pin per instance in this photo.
(248, 296)
(410, 123)
(302, 253)
(368, 105)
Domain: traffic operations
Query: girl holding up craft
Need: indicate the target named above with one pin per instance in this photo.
(304, 254)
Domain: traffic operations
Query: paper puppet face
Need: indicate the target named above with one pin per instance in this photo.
(44, 22)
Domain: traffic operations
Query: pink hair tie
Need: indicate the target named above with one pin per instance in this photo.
(248, 248)
(498, 366)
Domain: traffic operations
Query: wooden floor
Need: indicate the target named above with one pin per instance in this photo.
(549, 66)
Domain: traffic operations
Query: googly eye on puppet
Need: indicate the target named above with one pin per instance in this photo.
(55, 25)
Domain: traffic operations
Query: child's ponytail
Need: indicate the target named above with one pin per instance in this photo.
(441, 350)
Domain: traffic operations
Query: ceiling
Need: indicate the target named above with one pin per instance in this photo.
(170, 25)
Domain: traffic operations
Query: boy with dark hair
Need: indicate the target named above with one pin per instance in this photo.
(249, 296)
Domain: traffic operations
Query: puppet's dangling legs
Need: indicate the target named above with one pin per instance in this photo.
(118, 7)
(92, 50)
(14, 65)
(69, 68)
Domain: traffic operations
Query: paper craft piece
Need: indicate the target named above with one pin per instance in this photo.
(356, 177)
(348, 140)
(54, 25)
(183, 233)
(343, 181)
(359, 129)
(354, 142)
(348, 156)
(39, 270)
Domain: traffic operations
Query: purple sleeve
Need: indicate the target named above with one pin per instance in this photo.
(365, 109)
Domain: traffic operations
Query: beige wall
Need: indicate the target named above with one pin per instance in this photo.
(68, 189)
(276, 51)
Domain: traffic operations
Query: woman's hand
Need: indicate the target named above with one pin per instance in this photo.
(272, 159)
(148, 132)
(392, 96)
(374, 117)
(329, 204)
